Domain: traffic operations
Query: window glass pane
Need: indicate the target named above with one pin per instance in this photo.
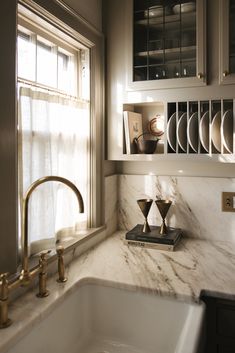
(26, 56)
(55, 141)
(55, 134)
(164, 36)
(46, 63)
(66, 72)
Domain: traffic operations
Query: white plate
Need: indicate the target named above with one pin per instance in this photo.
(171, 131)
(185, 7)
(156, 11)
(181, 132)
(204, 126)
(227, 130)
(192, 131)
(216, 131)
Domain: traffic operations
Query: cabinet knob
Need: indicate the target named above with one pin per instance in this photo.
(225, 73)
(200, 75)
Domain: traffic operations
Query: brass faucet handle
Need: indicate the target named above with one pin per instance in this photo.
(43, 260)
(3, 276)
(43, 292)
(61, 267)
(60, 250)
(4, 290)
(43, 254)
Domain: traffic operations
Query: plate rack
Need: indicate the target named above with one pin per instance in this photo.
(200, 127)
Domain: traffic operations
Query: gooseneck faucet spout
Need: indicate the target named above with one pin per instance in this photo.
(25, 273)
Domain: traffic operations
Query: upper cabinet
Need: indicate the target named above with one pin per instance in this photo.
(156, 56)
(167, 44)
(227, 42)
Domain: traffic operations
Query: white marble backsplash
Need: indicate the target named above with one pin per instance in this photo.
(196, 206)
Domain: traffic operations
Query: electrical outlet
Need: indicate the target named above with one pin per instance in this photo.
(228, 201)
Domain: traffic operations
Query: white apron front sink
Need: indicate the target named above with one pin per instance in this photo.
(103, 319)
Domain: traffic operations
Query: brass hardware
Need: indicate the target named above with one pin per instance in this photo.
(144, 205)
(228, 201)
(43, 292)
(4, 293)
(225, 73)
(200, 75)
(26, 275)
(61, 269)
(163, 207)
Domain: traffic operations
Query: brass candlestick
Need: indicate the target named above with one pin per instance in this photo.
(145, 205)
(163, 207)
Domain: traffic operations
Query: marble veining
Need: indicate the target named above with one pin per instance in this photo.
(196, 265)
(196, 204)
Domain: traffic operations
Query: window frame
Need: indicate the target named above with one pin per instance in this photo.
(64, 18)
(86, 40)
(48, 33)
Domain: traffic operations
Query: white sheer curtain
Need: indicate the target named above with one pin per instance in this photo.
(53, 140)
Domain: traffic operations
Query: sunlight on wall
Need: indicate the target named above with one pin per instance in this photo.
(134, 97)
(119, 111)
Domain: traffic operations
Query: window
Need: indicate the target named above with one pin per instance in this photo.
(54, 129)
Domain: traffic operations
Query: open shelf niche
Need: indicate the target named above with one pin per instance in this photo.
(191, 129)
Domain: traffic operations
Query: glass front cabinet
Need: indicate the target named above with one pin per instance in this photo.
(227, 42)
(168, 44)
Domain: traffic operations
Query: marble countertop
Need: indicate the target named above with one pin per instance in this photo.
(196, 265)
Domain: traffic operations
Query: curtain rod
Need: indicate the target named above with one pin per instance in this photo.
(49, 89)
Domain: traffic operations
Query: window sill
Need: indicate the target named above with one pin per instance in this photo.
(72, 241)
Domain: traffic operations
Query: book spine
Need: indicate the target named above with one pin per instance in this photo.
(151, 240)
(127, 134)
(142, 244)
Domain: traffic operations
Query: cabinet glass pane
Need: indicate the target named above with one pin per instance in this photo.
(232, 36)
(164, 39)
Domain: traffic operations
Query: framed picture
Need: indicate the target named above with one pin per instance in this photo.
(133, 127)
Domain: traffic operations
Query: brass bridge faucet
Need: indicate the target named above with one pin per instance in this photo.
(26, 275)
(4, 294)
(60, 252)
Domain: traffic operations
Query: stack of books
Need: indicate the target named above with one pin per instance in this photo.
(154, 239)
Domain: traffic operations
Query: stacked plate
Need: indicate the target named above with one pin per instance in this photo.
(216, 131)
(194, 132)
(204, 127)
(184, 131)
(157, 11)
(227, 130)
(185, 7)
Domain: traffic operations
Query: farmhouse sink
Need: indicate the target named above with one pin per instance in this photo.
(104, 319)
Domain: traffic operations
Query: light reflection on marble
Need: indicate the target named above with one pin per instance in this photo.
(195, 265)
(196, 204)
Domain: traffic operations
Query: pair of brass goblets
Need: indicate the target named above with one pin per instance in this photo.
(163, 207)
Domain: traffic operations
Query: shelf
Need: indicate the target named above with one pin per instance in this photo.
(172, 54)
(176, 62)
(206, 158)
(196, 130)
(186, 19)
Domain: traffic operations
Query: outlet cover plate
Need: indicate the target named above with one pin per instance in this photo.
(228, 201)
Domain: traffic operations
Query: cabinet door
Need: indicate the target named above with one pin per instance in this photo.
(167, 44)
(227, 42)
